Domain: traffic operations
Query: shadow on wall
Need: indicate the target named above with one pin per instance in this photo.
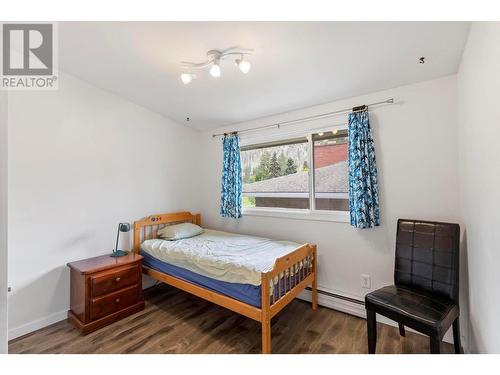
(380, 239)
(29, 312)
(465, 323)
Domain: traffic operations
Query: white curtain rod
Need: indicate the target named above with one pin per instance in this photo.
(314, 117)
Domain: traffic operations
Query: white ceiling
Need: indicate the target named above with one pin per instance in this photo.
(295, 64)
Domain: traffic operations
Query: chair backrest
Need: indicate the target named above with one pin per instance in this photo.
(427, 257)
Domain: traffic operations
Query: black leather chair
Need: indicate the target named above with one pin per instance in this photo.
(425, 291)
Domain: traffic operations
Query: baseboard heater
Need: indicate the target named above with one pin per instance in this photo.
(338, 296)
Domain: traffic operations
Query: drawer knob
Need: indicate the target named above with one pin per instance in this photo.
(118, 279)
(117, 300)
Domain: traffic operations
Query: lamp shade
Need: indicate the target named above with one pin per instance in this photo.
(215, 70)
(243, 65)
(122, 227)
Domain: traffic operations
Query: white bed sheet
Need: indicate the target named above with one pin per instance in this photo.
(222, 256)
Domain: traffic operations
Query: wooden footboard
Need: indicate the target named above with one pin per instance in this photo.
(290, 275)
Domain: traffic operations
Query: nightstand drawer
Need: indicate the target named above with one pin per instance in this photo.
(109, 282)
(113, 302)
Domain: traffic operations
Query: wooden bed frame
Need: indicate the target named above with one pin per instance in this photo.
(148, 227)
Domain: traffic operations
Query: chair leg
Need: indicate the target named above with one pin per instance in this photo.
(456, 336)
(401, 329)
(371, 324)
(435, 344)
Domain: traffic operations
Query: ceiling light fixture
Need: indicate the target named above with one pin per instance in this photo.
(215, 69)
(187, 77)
(243, 65)
(214, 58)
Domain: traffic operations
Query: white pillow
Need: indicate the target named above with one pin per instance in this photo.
(179, 231)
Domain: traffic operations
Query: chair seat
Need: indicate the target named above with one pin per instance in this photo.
(416, 309)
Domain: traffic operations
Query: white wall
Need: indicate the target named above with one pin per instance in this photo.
(479, 160)
(416, 150)
(81, 160)
(3, 222)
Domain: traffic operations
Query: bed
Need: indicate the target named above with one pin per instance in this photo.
(253, 276)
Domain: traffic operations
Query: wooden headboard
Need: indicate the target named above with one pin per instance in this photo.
(147, 228)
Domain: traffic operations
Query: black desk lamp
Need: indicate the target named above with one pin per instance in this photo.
(122, 227)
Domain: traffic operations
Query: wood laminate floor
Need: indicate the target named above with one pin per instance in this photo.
(176, 322)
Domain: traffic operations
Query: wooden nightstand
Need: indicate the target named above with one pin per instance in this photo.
(104, 289)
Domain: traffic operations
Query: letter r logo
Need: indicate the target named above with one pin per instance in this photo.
(27, 49)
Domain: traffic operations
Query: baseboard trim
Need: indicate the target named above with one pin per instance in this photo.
(33, 326)
(337, 302)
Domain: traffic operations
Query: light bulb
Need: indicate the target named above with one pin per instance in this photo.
(243, 65)
(186, 78)
(215, 70)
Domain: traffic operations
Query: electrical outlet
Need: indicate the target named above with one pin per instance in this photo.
(366, 281)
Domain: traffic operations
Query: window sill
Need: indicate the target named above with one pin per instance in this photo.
(335, 216)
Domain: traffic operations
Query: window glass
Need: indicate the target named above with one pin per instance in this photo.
(330, 171)
(276, 174)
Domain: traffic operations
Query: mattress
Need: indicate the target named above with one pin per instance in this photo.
(247, 293)
(221, 256)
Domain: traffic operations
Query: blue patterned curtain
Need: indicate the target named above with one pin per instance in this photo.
(230, 204)
(363, 188)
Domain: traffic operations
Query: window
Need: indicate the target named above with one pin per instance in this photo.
(280, 175)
